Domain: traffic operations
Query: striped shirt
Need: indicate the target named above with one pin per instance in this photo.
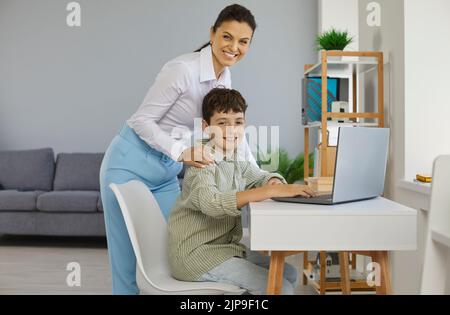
(205, 224)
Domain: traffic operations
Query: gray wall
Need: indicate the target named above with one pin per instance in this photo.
(73, 88)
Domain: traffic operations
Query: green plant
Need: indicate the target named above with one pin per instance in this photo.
(290, 169)
(333, 40)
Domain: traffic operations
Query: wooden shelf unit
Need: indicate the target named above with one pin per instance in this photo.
(322, 287)
(377, 60)
(326, 152)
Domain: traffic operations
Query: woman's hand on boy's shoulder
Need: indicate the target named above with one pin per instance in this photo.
(194, 171)
(199, 156)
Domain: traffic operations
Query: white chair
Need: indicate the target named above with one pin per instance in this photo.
(147, 229)
(437, 251)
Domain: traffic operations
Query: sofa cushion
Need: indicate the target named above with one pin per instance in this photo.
(68, 201)
(13, 200)
(99, 204)
(27, 170)
(78, 171)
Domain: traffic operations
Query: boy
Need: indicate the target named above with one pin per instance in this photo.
(205, 223)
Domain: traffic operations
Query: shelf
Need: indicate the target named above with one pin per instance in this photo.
(416, 186)
(335, 286)
(344, 64)
(336, 67)
(337, 124)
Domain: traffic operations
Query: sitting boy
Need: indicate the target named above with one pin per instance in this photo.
(205, 223)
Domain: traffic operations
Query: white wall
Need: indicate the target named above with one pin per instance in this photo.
(340, 14)
(389, 38)
(426, 110)
(427, 83)
(413, 33)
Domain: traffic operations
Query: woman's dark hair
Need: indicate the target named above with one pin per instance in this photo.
(222, 100)
(234, 12)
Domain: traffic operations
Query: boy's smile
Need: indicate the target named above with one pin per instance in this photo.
(226, 131)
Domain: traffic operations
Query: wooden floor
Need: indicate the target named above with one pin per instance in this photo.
(37, 265)
(31, 265)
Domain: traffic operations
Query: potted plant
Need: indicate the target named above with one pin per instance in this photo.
(333, 40)
(290, 169)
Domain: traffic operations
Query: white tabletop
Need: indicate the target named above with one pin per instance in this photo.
(378, 206)
(375, 224)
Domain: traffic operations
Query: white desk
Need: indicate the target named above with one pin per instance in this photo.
(372, 227)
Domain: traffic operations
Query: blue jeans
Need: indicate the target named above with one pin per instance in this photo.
(251, 273)
(128, 157)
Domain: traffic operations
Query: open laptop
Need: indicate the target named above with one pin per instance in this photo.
(360, 167)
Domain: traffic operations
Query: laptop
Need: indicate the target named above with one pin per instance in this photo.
(360, 168)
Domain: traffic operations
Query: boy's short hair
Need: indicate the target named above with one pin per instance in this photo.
(222, 100)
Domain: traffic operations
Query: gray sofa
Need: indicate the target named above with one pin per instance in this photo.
(39, 196)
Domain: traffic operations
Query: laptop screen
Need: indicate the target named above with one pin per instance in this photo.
(361, 161)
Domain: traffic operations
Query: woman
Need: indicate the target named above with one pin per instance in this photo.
(150, 147)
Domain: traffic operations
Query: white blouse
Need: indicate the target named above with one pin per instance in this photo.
(165, 120)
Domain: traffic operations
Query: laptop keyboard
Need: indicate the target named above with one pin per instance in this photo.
(322, 197)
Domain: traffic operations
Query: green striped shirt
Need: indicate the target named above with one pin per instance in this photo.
(205, 224)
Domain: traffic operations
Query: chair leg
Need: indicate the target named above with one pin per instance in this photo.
(437, 258)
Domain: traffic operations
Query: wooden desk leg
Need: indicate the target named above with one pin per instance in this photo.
(305, 265)
(276, 269)
(345, 277)
(323, 266)
(382, 258)
(385, 272)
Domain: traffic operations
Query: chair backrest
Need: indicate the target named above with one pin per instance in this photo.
(437, 250)
(146, 227)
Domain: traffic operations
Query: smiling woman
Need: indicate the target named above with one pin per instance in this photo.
(230, 36)
(230, 43)
(152, 146)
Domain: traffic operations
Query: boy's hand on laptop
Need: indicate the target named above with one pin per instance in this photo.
(269, 191)
(291, 190)
(199, 156)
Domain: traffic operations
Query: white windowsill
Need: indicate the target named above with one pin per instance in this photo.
(419, 187)
(440, 237)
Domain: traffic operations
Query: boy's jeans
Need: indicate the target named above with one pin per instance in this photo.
(251, 273)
